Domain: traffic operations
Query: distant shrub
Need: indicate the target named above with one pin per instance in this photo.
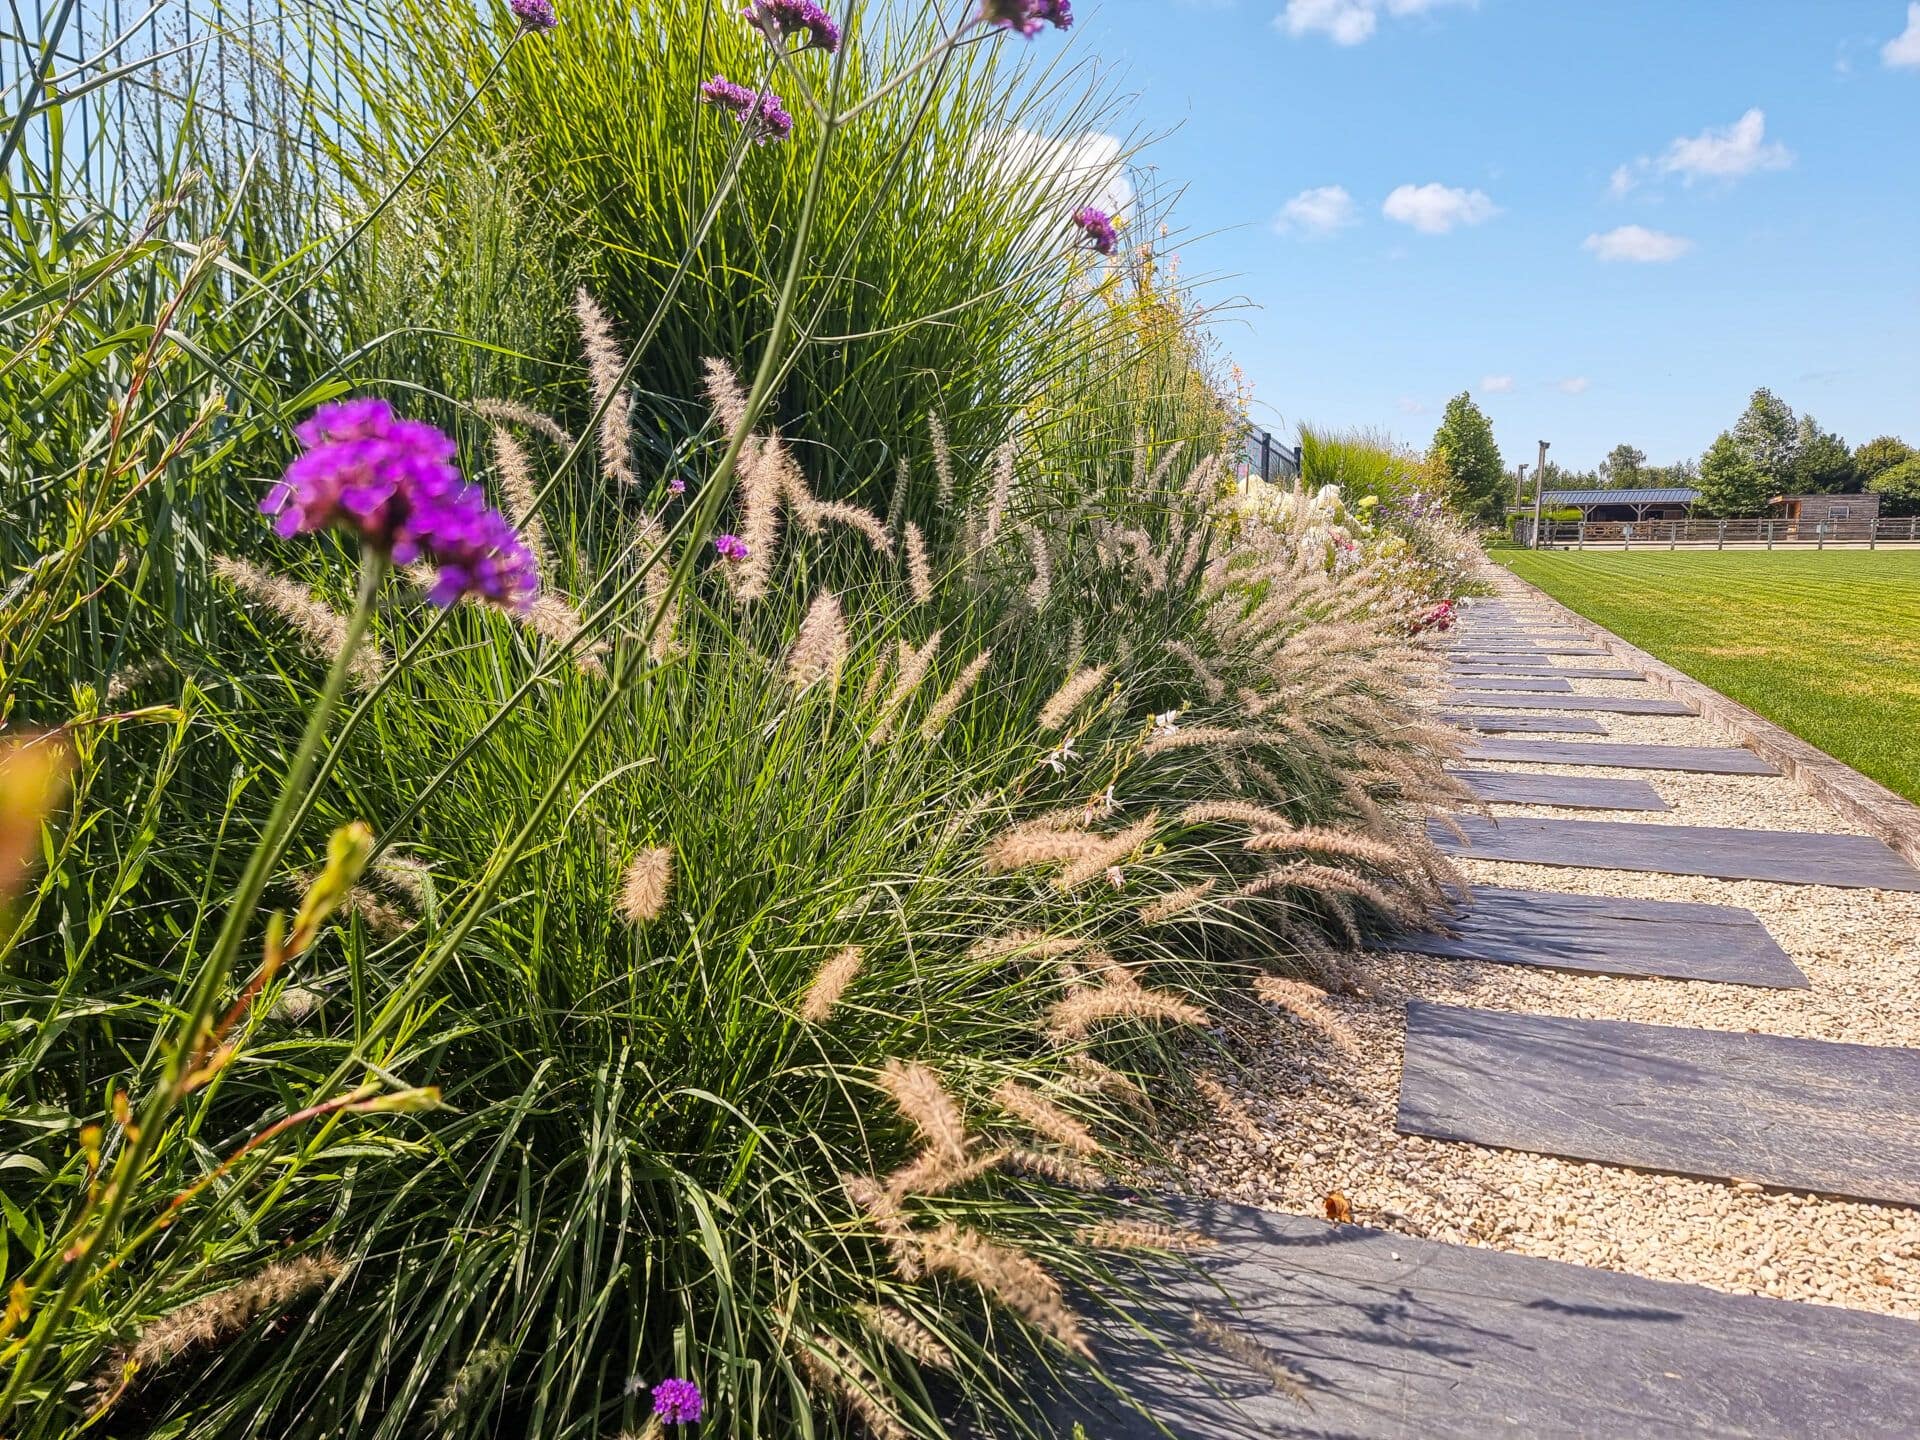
(1898, 489)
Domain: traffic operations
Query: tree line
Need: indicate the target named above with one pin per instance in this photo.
(1766, 453)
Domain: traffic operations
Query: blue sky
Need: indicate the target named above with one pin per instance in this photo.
(1609, 219)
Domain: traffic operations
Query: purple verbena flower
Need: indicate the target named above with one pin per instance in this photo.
(763, 113)
(534, 15)
(677, 1402)
(676, 486)
(1098, 228)
(393, 482)
(731, 547)
(1027, 17)
(795, 17)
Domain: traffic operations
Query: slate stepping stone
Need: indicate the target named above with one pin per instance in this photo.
(1815, 1115)
(1499, 651)
(1612, 704)
(1404, 1339)
(1537, 684)
(1790, 856)
(1697, 759)
(1612, 935)
(1468, 670)
(1530, 724)
(1579, 792)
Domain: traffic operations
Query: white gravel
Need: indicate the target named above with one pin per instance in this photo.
(1306, 1117)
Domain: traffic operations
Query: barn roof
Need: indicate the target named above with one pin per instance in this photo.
(1654, 495)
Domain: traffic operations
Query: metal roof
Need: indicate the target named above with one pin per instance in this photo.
(1654, 496)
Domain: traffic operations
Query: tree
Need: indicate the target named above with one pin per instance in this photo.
(1624, 467)
(1768, 440)
(1466, 460)
(1730, 483)
(1822, 464)
(1898, 487)
(1682, 474)
(1882, 453)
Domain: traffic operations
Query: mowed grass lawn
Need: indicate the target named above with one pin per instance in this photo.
(1824, 643)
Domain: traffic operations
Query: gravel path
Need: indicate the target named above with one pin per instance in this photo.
(1310, 1111)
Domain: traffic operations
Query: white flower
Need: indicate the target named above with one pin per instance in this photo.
(1167, 722)
(1058, 758)
(1101, 806)
(1116, 877)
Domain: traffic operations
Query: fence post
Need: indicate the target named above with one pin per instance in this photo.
(1673, 534)
(1820, 536)
(1581, 541)
(1769, 534)
(1873, 534)
(1720, 540)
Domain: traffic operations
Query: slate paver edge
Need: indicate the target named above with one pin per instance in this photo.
(1865, 802)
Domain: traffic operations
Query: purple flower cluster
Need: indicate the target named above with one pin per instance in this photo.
(393, 482)
(534, 15)
(764, 114)
(677, 1402)
(732, 547)
(1027, 17)
(1097, 225)
(796, 17)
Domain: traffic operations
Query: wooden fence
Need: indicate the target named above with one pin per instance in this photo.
(1721, 534)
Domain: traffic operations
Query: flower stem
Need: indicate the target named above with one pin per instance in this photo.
(145, 1135)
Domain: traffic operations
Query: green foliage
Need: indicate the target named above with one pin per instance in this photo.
(1822, 464)
(1730, 483)
(1898, 487)
(1466, 461)
(949, 198)
(1624, 467)
(1360, 463)
(1768, 441)
(1881, 453)
(490, 1148)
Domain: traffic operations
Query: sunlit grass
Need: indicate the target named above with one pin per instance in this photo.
(1824, 643)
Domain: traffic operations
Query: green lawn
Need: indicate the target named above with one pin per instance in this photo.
(1825, 643)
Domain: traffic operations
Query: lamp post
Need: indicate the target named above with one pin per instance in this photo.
(1539, 490)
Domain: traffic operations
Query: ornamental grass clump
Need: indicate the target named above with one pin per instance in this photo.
(736, 943)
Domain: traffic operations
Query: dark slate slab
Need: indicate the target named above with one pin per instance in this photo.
(1506, 650)
(1613, 704)
(1790, 856)
(1536, 684)
(1612, 935)
(1816, 1115)
(1403, 1339)
(1699, 759)
(1581, 792)
(1532, 724)
(1468, 669)
(1506, 636)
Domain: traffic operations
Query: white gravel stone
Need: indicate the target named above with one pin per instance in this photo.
(1314, 1118)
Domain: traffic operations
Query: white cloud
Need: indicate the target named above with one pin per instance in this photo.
(1437, 209)
(1085, 169)
(1410, 406)
(1497, 384)
(1316, 212)
(1345, 22)
(1350, 22)
(1638, 244)
(1624, 179)
(1903, 51)
(1726, 152)
(1575, 385)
